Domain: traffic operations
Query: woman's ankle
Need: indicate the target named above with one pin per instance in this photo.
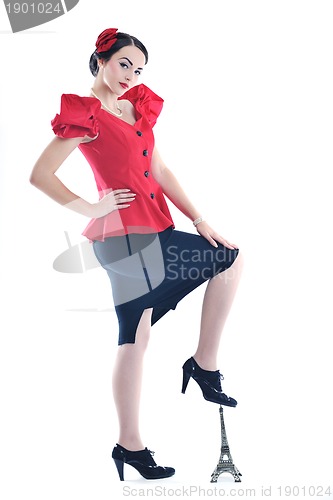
(131, 444)
(205, 362)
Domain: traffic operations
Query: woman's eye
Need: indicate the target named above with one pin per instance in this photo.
(124, 65)
(137, 72)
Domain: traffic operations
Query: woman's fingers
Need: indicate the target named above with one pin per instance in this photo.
(116, 191)
(114, 200)
(211, 241)
(213, 237)
(225, 242)
(119, 201)
(122, 193)
(121, 196)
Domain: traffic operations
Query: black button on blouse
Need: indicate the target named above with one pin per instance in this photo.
(145, 152)
(152, 196)
(146, 173)
(139, 133)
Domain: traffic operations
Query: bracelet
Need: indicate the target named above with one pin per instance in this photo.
(197, 221)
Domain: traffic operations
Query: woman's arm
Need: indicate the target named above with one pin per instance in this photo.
(43, 176)
(173, 190)
(171, 187)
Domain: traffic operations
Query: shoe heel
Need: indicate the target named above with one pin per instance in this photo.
(186, 378)
(120, 468)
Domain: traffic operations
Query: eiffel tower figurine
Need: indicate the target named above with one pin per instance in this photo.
(225, 463)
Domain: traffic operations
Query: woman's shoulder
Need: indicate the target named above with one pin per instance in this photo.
(72, 102)
(141, 91)
(145, 101)
(77, 117)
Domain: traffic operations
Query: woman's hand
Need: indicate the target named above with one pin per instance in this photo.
(115, 200)
(212, 236)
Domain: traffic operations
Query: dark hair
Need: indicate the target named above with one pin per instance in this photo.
(123, 40)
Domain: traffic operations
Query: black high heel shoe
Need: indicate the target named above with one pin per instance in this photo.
(209, 382)
(142, 461)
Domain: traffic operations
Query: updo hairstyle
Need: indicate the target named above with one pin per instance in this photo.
(123, 40)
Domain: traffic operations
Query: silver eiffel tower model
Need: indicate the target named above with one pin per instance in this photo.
(225, 463)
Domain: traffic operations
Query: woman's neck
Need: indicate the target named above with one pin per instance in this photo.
(109, 100)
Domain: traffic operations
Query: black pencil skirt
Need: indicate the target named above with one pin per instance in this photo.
(156, 271)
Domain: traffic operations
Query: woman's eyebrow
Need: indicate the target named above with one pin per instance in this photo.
(129, 61)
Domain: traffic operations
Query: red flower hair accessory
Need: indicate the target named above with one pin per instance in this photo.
(106, 39)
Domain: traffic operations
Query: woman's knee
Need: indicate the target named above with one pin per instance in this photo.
(233, 272)
(143, 331)
(239, 261)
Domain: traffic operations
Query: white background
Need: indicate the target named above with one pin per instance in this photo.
(247, 129)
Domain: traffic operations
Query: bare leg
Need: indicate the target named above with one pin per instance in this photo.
(127, 379)
(217, 302)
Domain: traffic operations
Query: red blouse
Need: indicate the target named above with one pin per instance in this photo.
(120, 158)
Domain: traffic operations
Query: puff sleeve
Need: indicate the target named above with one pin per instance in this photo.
(145, 101)
(77, 118)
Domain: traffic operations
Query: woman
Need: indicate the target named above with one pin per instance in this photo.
(151, 265)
